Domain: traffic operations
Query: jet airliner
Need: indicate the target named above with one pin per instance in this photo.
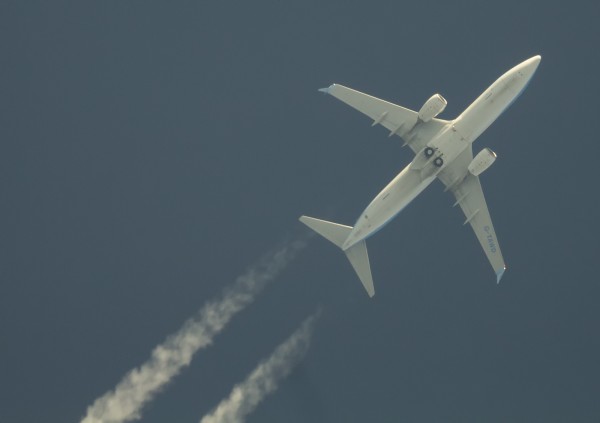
(443, 150)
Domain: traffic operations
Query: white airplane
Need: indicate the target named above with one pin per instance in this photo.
(444, 150)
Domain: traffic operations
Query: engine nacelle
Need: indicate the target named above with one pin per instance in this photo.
(482, 161)
(432, 107)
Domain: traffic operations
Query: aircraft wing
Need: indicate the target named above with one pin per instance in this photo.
(399, 120)
(469, 195)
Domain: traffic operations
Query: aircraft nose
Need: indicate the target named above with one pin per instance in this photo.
(529, 66)
(534, 62)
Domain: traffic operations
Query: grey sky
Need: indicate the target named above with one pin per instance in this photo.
(151, 151)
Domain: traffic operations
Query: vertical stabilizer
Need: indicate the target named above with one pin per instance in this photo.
(359, 258)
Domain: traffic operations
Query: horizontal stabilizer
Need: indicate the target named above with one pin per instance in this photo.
(359, 258)
(357, 254)
(333, 232)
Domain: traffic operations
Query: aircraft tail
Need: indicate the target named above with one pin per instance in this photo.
(357, 254)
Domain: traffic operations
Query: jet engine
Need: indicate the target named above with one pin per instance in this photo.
(432, 107)
(482, 161)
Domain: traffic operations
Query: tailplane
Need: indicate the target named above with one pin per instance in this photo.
(357, 254)
(333, 232)
(359, 258)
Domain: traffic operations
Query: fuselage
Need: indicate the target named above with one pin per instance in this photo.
(447, 144)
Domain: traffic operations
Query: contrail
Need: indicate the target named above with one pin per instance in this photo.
(141, 384)
(264, 379)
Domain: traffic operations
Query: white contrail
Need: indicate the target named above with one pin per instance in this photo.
(140, 385)
(264, 379)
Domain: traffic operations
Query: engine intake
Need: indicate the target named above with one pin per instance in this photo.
(482, 161)
(432, 107)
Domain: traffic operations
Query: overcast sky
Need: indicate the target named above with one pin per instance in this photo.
(150, 152)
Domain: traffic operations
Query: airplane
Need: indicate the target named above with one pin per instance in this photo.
(443, 150)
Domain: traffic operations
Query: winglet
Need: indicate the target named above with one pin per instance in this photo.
(326, 90)
(499, 274)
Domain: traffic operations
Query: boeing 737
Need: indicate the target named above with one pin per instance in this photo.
(443, 150)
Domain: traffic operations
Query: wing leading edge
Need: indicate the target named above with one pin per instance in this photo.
(399, 120)
(469, 196)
